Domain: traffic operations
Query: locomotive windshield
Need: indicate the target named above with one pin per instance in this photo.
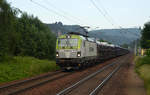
(68, 42)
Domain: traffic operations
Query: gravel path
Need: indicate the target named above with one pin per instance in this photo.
(134, 85)
(125, 82)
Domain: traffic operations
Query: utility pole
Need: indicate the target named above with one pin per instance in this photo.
(135, 48)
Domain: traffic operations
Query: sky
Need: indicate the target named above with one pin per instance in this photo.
(120, 13)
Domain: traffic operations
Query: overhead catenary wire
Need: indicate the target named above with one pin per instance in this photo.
(108, 17)
(50, 10)
(70, 18)
(101, 12)
(120, 27)
(106, 13)
(75, 19)
(64, 12)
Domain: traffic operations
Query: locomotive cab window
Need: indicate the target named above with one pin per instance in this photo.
(68, 42)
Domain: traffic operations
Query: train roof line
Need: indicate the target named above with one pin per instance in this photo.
(76, 33)
(86, 37)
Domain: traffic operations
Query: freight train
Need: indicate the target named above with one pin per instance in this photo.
(75, 51)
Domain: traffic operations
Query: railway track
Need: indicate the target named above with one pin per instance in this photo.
(25, 85)
(18, 87)
(79, 87)
(99, 87)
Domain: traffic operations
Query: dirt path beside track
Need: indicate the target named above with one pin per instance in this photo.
(134, 85)
(125, 82)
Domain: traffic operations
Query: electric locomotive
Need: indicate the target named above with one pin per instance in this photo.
(74, 51)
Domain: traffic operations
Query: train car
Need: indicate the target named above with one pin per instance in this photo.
(74, 51)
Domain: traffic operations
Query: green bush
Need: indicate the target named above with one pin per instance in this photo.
(142, 60)
(23, 67)
(148, 52)
(143, 68)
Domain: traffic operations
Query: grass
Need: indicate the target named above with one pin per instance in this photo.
(143, 69)
(23, 67)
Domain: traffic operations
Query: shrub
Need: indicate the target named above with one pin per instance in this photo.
(142, 68)
(23, 67)
(148, 52)
(142, 60)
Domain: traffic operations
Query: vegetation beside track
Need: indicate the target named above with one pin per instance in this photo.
(24, 35)
(143, 69)
(22, 67)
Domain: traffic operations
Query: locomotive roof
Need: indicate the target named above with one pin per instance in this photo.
(76, 33)
(83, 37)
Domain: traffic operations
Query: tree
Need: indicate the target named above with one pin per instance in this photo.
(25, 36)
(7, 29)
(125, 45)
(35, 38)
(145, 39)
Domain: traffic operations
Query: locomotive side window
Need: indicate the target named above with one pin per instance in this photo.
(84, 43)
(58, 41)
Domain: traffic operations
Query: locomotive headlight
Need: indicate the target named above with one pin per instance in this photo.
(57, 54)
(68, 36)
(79, 54)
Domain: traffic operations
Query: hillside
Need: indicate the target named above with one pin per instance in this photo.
(115, 36)
(58, 28)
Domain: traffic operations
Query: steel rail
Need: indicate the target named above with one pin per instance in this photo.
(100, 86)
(67, 90)
(38, 84)
(28, 80)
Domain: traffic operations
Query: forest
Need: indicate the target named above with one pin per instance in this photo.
(27, 46)
(24, 35)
